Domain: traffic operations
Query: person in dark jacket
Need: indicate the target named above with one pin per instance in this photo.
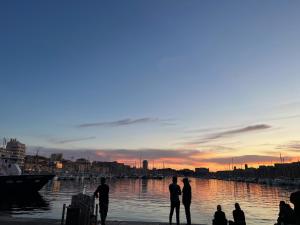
(219, 217)
(174, 198)
(286, 214)
(238, 216)
(187, 199)
(295, 199)
(102, 192)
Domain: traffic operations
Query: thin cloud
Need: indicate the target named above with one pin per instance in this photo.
(185, 156)
(211, 129)
(71, 140)
(229, 133)
(179, 158)
(293, 146)
(244, 159)
(126, 122)
(284, 117)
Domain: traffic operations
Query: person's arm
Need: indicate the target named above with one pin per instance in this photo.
(179, 190)
(224, 216)
(234, 216)
(96, 192)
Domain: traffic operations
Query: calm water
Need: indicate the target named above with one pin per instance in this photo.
(148, 200)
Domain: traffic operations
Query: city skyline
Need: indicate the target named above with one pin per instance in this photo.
(192, 84)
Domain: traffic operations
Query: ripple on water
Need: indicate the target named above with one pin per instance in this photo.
(148, 200)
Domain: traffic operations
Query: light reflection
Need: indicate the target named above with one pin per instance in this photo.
(148, 200)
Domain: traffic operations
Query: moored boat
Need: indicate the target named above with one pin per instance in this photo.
(13, 181)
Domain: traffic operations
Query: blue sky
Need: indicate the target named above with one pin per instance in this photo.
(151, 74)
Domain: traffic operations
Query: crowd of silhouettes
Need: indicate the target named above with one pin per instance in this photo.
(286, 216)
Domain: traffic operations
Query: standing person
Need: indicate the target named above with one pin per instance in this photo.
(219, 218)
(102, 192)
(187, 199)
(174, 198)
(238, 215)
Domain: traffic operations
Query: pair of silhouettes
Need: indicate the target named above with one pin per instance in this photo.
(175, 191)
(238, 216)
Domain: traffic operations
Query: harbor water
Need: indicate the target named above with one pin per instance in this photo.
(148, 200)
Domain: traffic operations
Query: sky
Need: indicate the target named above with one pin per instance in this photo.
(181, 83)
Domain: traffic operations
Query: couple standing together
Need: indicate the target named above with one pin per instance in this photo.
(175, 191)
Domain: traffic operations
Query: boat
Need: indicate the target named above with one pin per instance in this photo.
(13, 181)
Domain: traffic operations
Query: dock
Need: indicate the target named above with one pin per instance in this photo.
(41, 221)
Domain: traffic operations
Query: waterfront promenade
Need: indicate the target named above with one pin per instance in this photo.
(40, 221)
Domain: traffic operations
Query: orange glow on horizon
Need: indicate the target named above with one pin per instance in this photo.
(213, 167)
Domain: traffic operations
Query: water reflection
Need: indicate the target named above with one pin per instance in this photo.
(144, 185)
(148, 200)
(19, 204)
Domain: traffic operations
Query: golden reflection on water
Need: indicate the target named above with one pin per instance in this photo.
(148, 200)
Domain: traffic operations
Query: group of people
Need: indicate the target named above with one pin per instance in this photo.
(287, 215)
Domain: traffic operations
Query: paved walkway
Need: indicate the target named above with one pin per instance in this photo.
(34, 221)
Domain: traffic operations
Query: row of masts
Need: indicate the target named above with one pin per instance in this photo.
(139, 164)
(232, 164)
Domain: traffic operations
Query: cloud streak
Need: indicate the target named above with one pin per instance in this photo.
(177, 158)
(71, 140)
(125, 122)
(244, 159)
(229, 133)
(292, 146)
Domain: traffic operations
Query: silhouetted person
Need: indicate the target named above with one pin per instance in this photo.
(187, 199)
(295, 199)
(102, 192)
(219, 217)
(286, 214)
(238, 216)
(174, 198)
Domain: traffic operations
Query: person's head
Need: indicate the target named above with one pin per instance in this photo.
(174, 180)
(237, 206)
(219, 208)
(185, 181)
(103, 180)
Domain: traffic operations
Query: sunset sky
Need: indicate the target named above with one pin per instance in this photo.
(187, 83)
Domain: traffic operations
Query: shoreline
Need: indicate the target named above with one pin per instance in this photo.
(8, 220)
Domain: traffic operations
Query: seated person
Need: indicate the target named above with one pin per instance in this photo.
(238, 216)
(295, 199)
(286, 214)
(219, 217)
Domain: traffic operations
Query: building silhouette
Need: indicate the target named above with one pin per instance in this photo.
(145, 165)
